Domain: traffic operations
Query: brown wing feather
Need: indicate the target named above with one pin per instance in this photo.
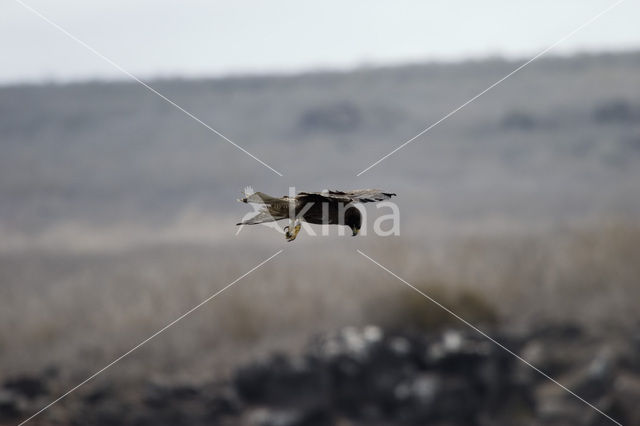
(356, 196)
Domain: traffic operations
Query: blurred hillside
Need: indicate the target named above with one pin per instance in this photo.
(558, 141)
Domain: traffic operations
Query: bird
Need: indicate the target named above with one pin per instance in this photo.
(322, 208)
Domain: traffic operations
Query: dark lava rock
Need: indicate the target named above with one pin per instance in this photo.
(9, 406)
(158, 395)
(597, 379)
(289, 417)
(27, 386)
(364, 375)
(282, 381)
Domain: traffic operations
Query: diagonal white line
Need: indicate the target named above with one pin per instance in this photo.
(136, 347)
(145, 85)
(467, 323)
(541, 53)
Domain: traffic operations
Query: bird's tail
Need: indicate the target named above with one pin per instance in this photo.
(246, 193)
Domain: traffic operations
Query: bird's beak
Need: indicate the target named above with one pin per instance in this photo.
(355, 231)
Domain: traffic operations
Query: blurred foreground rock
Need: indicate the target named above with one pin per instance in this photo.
(366, 376)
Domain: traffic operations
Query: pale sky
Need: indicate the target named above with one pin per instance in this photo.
(152, 38)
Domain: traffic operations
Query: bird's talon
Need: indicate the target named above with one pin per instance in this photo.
(290, 236)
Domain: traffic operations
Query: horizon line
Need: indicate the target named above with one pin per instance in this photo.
(354, 67)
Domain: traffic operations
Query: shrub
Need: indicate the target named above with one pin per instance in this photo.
(405, 308)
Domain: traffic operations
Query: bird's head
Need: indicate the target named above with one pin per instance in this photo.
(353, 219)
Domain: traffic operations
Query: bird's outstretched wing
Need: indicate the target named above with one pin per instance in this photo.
(260, 217)
(356, 196)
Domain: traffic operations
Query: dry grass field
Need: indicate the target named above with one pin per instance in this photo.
(77, 311)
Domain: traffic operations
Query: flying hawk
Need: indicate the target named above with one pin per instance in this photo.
(326, 207)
